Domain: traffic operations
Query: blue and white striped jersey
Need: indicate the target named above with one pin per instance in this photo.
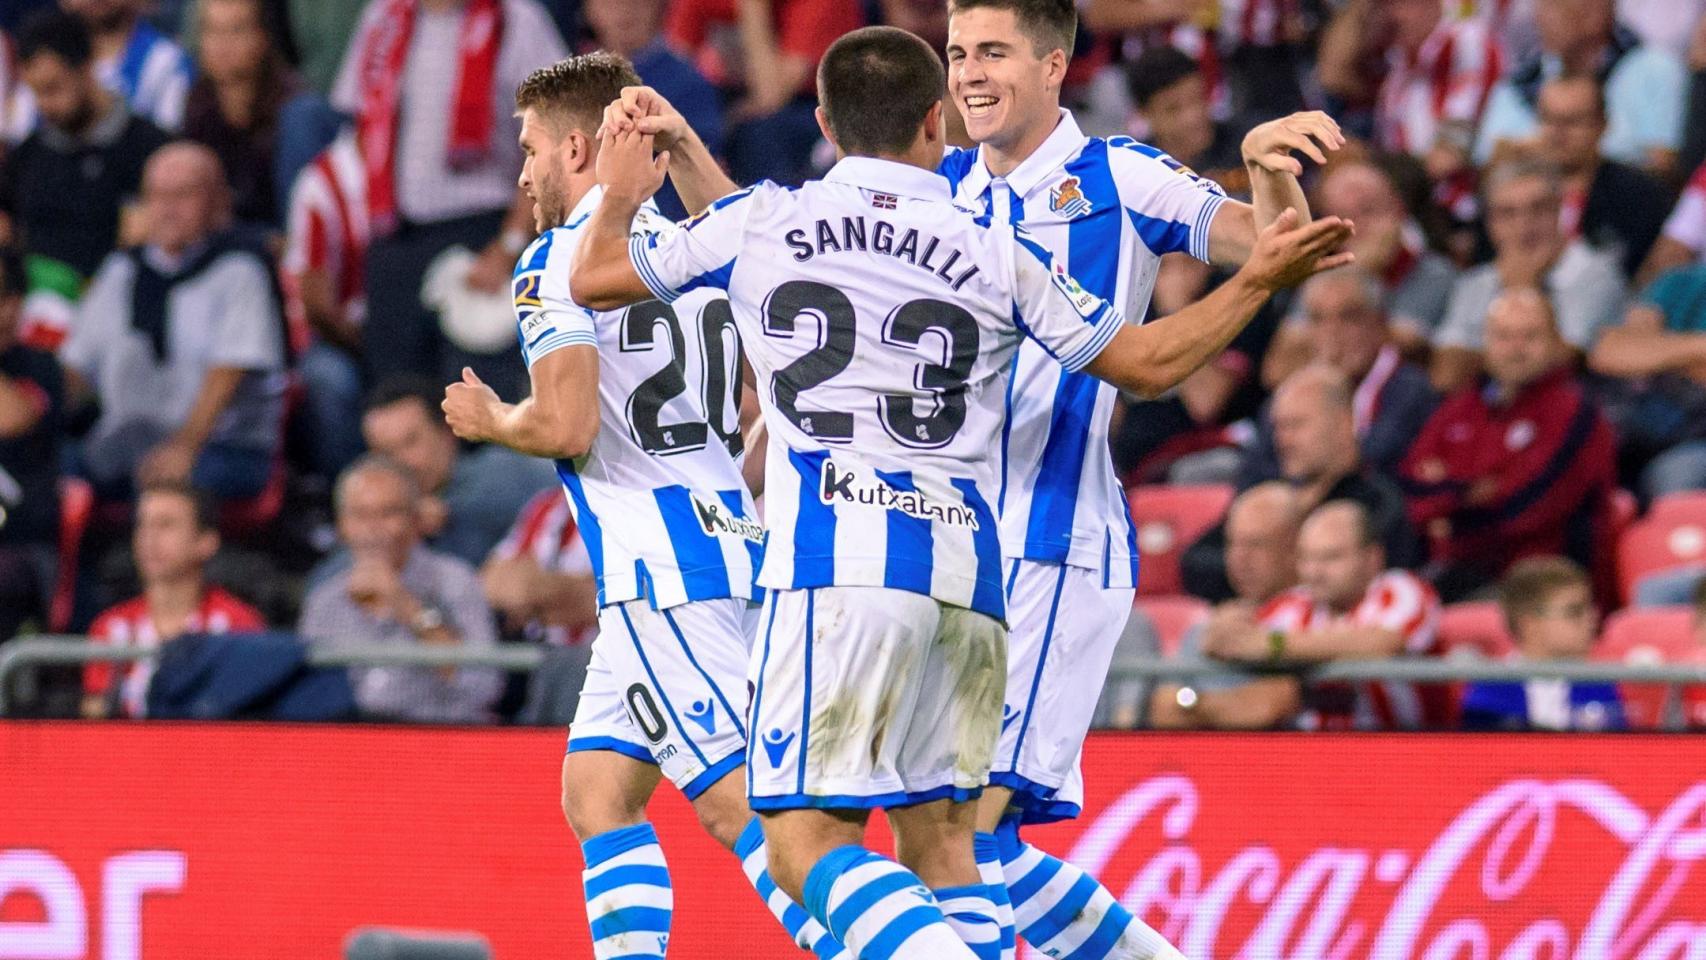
(1107, 210)
(658, 498)
(881, 321)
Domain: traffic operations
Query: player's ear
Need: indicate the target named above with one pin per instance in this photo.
(823, 125)
(577, 151)
(1058, 61)
(935, 124)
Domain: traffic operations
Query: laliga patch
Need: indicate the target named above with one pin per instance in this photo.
(1068, 200)
(1083, 300)
(529, 310)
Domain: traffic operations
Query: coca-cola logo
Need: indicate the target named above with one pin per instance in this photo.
(1503, 879)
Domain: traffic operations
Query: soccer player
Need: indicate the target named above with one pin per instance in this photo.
(638, 408)
(881, 322)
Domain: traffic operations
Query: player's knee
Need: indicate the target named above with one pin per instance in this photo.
(591, 811)
(723, 811)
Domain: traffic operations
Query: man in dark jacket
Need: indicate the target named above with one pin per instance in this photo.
(1518, 464)
(1346, 329)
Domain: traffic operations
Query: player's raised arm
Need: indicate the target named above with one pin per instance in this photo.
(1271, 157)
(697, 178)
(1153, 358)
(601, 277)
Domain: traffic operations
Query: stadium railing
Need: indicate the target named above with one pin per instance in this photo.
(25, 652)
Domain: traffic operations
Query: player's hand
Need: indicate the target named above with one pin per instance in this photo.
(469, 408)
(1285, 254)
(626, 168)
(375, 586)
(1311, 133)
(647, 111)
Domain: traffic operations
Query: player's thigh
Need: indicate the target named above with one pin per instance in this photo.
(608, 771)
(681, 677)
(1064, 628)
(952, 735)
(837, 675)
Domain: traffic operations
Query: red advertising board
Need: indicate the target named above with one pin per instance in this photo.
(230, 842)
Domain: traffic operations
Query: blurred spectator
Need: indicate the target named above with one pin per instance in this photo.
(431, 84)
(1434, 75)
(32, 414)
(1548, 605)
(1124, 702)
(1530, 249)
(397, 592)
(182, 343)
(248, 105)
(321, 32)
(66, 186)
(1659, 351)
(1517, 465)
(1348, 605)
(1683, 239)
(1341, 325)
(1261, 563)
(1171, 95)
(470, 497)
(1613, 206)
(174, 539)
(1390, 245)
(1662, 24)
(1316, 451)
(764, 54)
(323, 275)
(1644, 87)
(632, 28)
(539, 579)
(135, 60)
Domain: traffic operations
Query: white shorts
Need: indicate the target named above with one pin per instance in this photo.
(871, 697)
(668, 687)
(1065, 626)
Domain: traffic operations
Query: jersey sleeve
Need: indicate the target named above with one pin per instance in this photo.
(1404, 605)
(700, 252)
(1071, 323)
(1169, 205)
(546, 318)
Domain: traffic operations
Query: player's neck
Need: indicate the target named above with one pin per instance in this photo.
(173, 599)
(1003, 160)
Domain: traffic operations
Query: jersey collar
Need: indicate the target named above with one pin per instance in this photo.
(1052, 154)
(892, 176)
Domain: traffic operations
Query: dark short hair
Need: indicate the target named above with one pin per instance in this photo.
(876, 85)
(202, 507)
(56, 32)
(1051, 24)
(1157, 69)
(574, 92)
(13, 280)
(405, 387)
(1530, 583)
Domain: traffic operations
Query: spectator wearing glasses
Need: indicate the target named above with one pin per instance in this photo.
(396, 592)
(1547, 603)
(1530, 250)
(1613, 206)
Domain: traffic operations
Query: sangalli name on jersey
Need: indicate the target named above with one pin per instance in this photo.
(855, 234)
(841, 485)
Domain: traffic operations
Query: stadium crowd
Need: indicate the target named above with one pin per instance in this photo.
(245, 243)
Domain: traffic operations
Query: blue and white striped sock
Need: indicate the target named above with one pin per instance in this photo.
(808, 933)
(971, 912)
(879, 909)
(628, 897)
(988, 851)
(1064, 912)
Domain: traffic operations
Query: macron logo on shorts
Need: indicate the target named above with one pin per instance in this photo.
(700, 712)
(841, 485)
(776, 746)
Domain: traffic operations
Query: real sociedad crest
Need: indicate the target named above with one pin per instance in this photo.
(1067, 200)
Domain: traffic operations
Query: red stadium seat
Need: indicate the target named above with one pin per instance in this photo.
(1172, 617)
(1657, 543)
(1478, 626)
(76, 507)
(1169, 519)
(1648, 636)
(1685, 507)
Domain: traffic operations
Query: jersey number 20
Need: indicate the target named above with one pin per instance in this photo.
(718, 378)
